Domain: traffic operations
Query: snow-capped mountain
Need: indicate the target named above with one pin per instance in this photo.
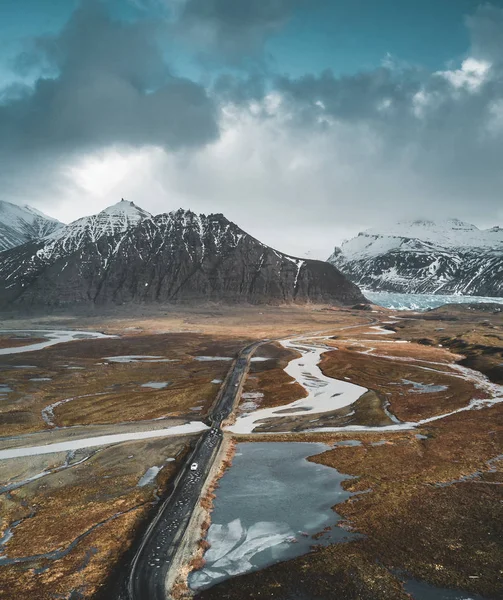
(124, 254)
(445, 257)
(110, 221)
(20, 224)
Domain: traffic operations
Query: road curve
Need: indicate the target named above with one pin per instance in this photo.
(149, 568)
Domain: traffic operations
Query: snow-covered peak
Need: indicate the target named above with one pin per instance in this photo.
(20, 224)
(126, 210)
(114, 219)
(410, 235)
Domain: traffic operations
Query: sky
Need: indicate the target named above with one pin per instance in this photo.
(303, 121)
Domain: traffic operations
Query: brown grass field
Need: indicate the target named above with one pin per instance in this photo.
(432, 497)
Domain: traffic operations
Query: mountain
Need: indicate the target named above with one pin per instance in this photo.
(124, 254)
(20, 224)
(425, 257)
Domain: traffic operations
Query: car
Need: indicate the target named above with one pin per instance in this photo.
(194, 466)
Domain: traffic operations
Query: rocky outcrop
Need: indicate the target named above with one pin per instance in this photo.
(175, 257)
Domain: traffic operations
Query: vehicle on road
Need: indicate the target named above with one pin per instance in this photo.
(193, 467)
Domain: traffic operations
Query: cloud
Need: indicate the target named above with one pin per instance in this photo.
(298, 162)
(112, 86)
(232, 29)
(486, 33)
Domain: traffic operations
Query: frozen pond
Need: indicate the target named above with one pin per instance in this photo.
(269, 505)
(324, 393)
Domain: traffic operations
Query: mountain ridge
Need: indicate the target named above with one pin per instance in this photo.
(21, 224)
(447, 257)
(171, 257)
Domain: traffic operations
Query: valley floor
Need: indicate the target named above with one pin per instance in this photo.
(417, 407)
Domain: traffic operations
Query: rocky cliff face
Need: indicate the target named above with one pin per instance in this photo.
(175, 257)
(20, 224)
(423, 257)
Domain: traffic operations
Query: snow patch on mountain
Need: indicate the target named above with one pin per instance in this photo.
(124, 254)
(421, 234)
(21, 224)
(112, 220)
(443, 257)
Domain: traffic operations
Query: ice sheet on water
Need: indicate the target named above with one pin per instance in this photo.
(156, 385)
(260, 509)
(103, 440)
(324, 393)
(423, 301)
(149, 476)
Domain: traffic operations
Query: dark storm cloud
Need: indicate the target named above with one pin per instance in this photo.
(112, 87)
(233, 28)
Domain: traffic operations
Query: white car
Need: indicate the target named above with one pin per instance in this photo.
(194, 466)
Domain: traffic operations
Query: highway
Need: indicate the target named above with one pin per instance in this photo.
(159, 545)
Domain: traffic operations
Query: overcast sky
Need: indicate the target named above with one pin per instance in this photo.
(303, 121)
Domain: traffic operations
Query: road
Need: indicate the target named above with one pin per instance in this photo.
(153, 559)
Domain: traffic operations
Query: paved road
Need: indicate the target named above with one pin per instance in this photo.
(150, 565)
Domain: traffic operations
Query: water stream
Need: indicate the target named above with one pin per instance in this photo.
(325, 394)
